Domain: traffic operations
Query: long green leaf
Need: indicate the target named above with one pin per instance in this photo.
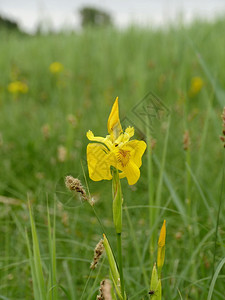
(218, 269)
(37, 260)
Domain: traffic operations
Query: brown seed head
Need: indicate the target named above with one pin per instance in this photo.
(99, 249)
(105, 290)
(62, 153)
(153, 143)
(186, 140)
(46, 131)
(72, 120)
(74, 184)
(222, 138)
(223, 117)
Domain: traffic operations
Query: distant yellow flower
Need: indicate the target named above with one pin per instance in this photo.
(196, 86)
(115, 150)
(56, 67)
(18, 87)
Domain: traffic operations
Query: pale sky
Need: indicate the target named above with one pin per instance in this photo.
(57, 14)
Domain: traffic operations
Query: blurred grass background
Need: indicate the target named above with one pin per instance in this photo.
(43, 138)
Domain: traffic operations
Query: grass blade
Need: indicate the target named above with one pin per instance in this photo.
(37, 260)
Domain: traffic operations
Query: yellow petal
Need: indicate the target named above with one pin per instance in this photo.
(99, 139)
(132, 173)
(98, 158)
(128, 160)
(129, 132)
(114, 126)
(137, 149)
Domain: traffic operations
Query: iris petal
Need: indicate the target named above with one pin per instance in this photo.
(132, 173)
(137, 150)
(114, 126)
(98, 159)
(106, 141)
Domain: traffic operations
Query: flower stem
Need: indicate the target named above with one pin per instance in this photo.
(120, 263)
(117, 219)
(150, 189)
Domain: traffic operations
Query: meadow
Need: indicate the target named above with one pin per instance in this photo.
(43, 129)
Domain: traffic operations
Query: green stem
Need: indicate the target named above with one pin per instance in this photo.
(150, 188)
(117, 219)
(120, 263)
(188, 183)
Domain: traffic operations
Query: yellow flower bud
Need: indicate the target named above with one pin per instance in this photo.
(161, 248)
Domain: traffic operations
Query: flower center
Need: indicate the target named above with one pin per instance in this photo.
(123, 157)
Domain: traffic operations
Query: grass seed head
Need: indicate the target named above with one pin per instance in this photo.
(186, 140)
(74, 184)
(99, 249)
(222, 138)
(62, 153)
(105, 290)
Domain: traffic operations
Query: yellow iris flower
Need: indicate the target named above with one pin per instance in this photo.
(115, 150)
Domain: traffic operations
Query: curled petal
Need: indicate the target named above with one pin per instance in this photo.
(106, 141)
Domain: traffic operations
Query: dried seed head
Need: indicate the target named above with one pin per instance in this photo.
(92, 201)
(223, 117)
(46, 131)
(62, 153)
(72, 120)
(74, 184)
(99, 249)
(105, 290)
(186, 140)
(153, 143)
(222, 138)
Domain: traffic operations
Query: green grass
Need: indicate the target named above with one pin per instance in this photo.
(100, 65)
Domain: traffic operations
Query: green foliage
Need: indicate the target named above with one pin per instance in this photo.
(94, 17)
(155, 287)
(113, 267)
(41, 290)
(7, 24)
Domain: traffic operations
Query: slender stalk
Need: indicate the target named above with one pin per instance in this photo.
(150, 188)
(120, 263)
(188, 182)
(117, 219)
(218, 215)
